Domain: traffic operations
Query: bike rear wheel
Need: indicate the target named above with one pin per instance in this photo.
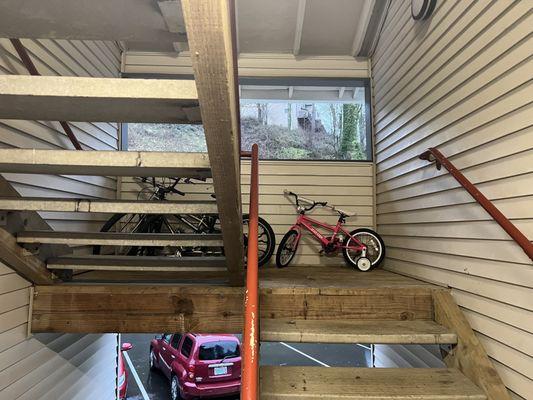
(375, 249)
(287, 248)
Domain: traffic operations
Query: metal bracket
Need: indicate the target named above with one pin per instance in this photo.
(428, 156)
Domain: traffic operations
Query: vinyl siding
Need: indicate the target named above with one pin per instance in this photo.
(461, 82)
(65, 58)
(49, 366)
(348, 185)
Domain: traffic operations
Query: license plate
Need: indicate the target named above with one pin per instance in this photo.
(220, 371)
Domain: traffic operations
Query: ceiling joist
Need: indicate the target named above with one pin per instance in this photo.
(300, 15)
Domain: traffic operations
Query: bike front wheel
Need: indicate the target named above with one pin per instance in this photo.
(374, 244)
(287, 248)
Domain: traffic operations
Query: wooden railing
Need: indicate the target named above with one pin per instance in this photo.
(250, 357)
(440, 159)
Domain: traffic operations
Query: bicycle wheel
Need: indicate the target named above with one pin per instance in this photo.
(287, 248)
(138, 223)
(375, 249)
(266, 239)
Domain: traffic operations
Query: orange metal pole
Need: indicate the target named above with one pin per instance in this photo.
(250, 366)
(496, 214)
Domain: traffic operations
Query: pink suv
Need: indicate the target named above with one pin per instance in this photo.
(198, 366)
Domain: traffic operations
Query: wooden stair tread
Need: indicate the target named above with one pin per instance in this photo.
(356, 331)
(119, 239)
(105, 163)
(283, 383)
(138, 263)
(108, 206)
(67, 98)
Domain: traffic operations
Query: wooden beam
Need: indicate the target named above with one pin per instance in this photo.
(362, 26)
(211, 43)
(468, 356)
(285, 383)
(22, 261)
(105, 163)
(108, 206)
(356, 331)
(60, 98)
(119, 239)
(147, 308)
(186, 265)
(171, 12)
(300, 15)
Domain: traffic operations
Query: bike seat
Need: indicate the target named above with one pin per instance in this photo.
(344, 213)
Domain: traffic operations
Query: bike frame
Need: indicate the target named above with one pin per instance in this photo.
(304, 222)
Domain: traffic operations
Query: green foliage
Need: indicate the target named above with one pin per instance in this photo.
(350, 147)
(166, 137)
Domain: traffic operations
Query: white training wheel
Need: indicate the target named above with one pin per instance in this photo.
(364, 264)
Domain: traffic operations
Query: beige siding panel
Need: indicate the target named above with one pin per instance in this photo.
(67, 58)
(460, 81)
(348, 185)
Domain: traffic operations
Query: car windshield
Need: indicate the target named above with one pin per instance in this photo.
(218, 350)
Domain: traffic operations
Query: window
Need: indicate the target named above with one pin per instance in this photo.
(186, 347)
(290, 119)
(166, 337)
(176, 340)
(218, 350)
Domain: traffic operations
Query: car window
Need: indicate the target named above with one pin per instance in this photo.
(176, 340)
(186, 347)
(166, 337)
(219, 350)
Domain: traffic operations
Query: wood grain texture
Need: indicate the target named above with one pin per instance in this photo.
(21, 261)
(469, 356)
(284, 383)
(209, 33)
(107, 206)
(61, 98)
(120, 307)
(356, 331)
(114, 163)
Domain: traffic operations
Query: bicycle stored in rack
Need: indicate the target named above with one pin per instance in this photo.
(362, 248)
(177, 224)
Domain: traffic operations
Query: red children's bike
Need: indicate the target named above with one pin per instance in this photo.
(362, 248)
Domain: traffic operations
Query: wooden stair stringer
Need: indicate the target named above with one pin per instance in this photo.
(468, 355)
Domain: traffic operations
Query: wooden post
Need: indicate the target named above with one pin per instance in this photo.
(209, 31)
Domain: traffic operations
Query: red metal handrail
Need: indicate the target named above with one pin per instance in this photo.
(250, 360)
(440, 159)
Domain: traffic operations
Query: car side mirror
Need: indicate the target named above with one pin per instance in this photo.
(126, 346)
(158, 337)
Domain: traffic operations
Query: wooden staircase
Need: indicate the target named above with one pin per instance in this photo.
(321, 305)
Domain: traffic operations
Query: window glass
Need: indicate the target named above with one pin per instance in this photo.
(186, 347)
(218, 350)
(309, 122)
(305, 130)
(176, 338)
(166, 337)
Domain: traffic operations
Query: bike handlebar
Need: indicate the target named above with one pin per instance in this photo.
(315, 203)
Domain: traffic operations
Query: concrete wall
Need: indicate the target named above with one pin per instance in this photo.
(461, 82)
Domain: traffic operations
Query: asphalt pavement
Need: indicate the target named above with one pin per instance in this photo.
(155, 386)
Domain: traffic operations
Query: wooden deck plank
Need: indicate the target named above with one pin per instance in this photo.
(138, 263)
(285, 383)
(107, 206)
(119, 239)
(356, 331)
(60, 307)
(105, 163)
(62, 98)
(209, 32)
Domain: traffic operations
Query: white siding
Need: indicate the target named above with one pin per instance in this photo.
(348, 185)
(461, 82)
(69, 58)
(49, 366)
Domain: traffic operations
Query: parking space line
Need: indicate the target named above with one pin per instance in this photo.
(143, 391)
(304, 354)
